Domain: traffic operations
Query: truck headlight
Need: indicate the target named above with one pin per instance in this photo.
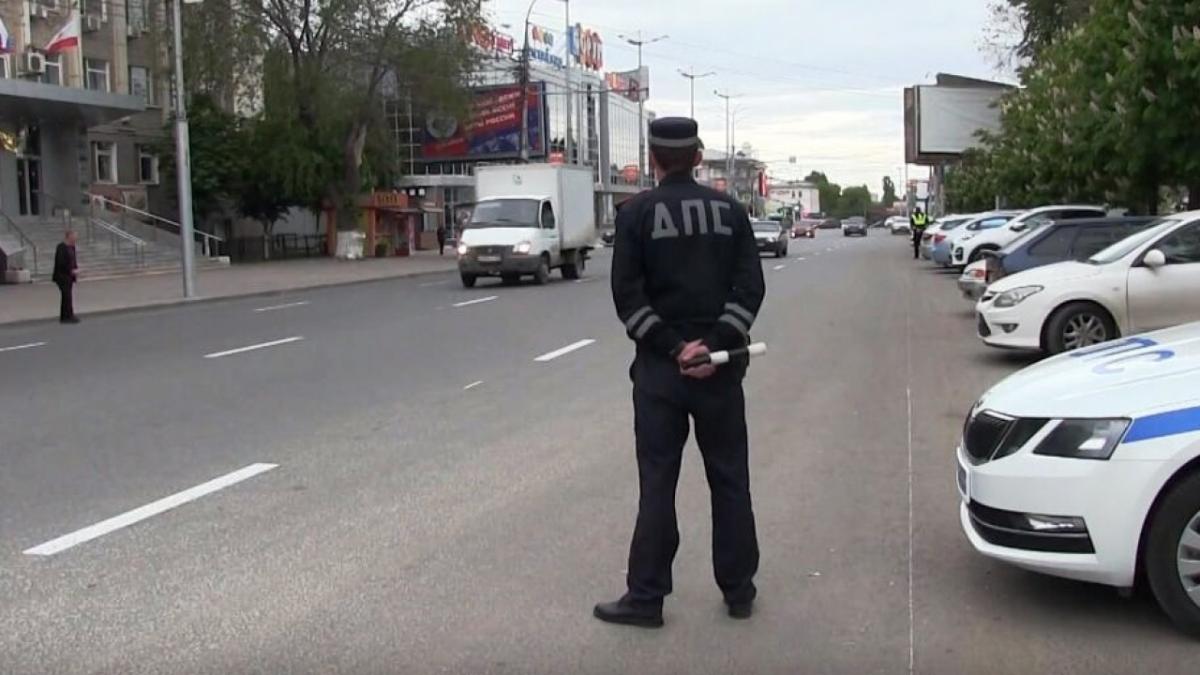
(462, 249)
(1016, 296)
(523, 247)
(1083, 438)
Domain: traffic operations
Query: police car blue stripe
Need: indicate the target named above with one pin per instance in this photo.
(1164, 424)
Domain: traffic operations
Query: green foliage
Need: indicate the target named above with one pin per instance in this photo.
(830, 193)
(889, 192)
(854, 201)
(217, 155)
(1107, 113)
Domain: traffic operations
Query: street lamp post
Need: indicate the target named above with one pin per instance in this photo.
(693, 77)
(729, 162)
(639, 43)
(183, 166)
(569, 36)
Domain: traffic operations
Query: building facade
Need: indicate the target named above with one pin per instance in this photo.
(604, 129)
(796, 194)
(746, 182)
(82, 93)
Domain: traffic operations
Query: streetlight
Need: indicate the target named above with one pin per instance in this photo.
(183, 165)
(693, 77)
(729, 162)
(639, 43)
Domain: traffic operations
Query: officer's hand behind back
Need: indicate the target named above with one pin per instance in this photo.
(690, 351)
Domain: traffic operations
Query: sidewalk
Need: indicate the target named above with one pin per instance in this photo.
(29, 302)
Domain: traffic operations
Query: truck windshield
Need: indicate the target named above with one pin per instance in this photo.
(505, 213)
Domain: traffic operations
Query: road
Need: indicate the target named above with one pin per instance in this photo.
(422, 494)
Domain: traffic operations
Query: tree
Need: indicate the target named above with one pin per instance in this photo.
(854, 201)
(830, 193)
(217, 155)
(889, 192)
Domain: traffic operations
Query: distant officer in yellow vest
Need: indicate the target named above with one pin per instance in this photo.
(918, 222)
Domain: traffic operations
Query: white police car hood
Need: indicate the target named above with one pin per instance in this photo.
(1128, 377)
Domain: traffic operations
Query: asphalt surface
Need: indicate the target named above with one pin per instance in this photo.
(440, 501)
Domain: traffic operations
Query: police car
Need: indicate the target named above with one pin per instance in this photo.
(1087, 466)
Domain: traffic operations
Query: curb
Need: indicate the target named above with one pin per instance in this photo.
(175, 302)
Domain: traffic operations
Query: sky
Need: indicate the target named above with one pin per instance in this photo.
(818, 80)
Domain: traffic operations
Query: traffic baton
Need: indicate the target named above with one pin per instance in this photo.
(723, 357)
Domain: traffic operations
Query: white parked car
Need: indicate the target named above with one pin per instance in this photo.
(898, 225)
(1147, 281)
(1087, 466)
(969, 246)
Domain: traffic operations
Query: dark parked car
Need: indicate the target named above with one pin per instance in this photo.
(770, 237)
(806, 228)
(1060, 241)
(831, 224)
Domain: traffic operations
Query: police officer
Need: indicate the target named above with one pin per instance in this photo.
(686, 279)
(917, 223)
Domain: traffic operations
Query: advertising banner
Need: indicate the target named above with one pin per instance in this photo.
(492, 128)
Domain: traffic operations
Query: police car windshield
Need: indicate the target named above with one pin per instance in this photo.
(765, 226)
(505, 213)
(1132, 242)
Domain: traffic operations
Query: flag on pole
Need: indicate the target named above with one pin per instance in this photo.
(67, 37)
(6, 44)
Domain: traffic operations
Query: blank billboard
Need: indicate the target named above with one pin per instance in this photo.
(948, 118)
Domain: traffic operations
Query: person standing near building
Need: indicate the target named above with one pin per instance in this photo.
(917, 223)
(441, 238)
(686, 279)
(66, 269)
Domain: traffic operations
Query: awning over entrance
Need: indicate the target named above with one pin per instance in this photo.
(23, 101)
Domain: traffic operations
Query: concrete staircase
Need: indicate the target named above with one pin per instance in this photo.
(102, 251)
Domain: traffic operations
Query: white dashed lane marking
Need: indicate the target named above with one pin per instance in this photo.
(15, 348)
(476, 301)
(250, 348)
(550, 356)
(288, 305)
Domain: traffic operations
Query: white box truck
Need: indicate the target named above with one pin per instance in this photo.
(527, 220)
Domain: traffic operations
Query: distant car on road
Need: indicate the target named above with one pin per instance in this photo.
(898, 225)
(831, 224)
(806, 228)
(771, 237)
(1144, 282)
(854, 227)
(1085, 466)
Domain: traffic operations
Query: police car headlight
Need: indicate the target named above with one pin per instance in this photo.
(1084, 438)
(1016, 296)
(463, 249)
(523, 247)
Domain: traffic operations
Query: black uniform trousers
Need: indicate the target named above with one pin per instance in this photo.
(663, 401)
(66, 305)
(916, 241)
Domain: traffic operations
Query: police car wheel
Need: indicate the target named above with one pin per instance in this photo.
(1172, 554)
(1077, 325)
(542, 275)
(468, 281)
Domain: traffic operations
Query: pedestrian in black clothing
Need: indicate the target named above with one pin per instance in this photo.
(441, 237)
(686, 279)
(66, 269)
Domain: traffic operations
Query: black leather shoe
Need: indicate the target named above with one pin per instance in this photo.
(627, 614)
(742, 610)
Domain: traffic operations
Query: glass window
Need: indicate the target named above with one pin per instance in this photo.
(141, 84)
(96, 8)
(104, 162)
(547, 217)
(96, 74)
(1092, 240)
(1080, 213)
(1131, 243)
(135, 12)
(52, 73)
(1055, 245)
(147, 166)
(1182, 246)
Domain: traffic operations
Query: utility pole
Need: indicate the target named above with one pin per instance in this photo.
(639, 43)
(693, 77)
(729, 163)
(571, 39)
(183, 165)
(524, 79)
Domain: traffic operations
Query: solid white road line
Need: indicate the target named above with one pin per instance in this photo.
(472, 385)
(272, 308)
(798, 259)
(550, 356)
(263, 345)
(476, 301)
(149, 510)
(14, 348)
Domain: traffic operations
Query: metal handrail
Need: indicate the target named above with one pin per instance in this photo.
(24, 239)
(208, 241)
(116, 235)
